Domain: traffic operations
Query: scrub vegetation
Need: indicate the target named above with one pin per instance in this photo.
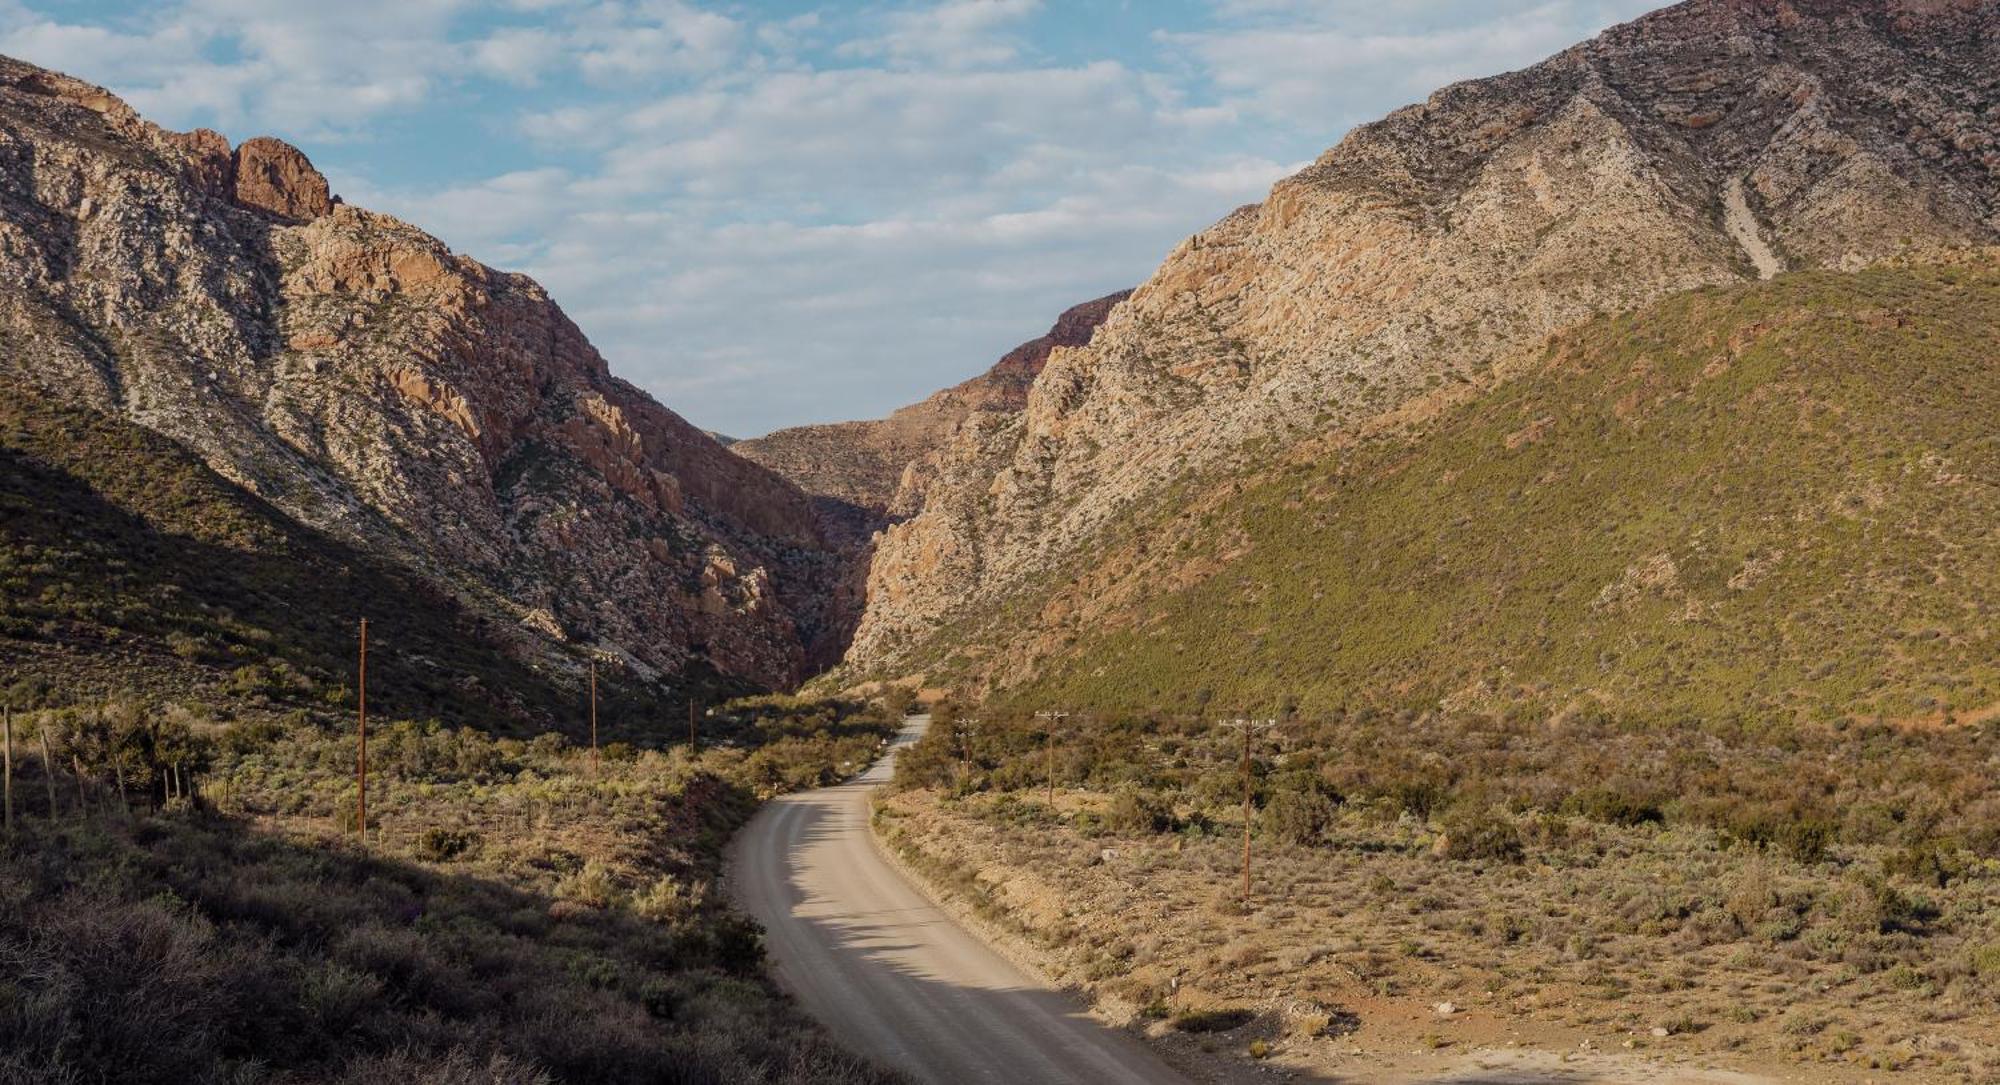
(196, 904)
(1647, 696)
(1797, 892)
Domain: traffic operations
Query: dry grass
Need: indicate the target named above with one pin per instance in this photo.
(1651, 923)
(516, 917)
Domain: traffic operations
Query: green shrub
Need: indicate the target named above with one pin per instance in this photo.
(1137, 811)
(593, 885)
(1479, 833)
(1299, 813)
(1615, 806)
(438, 844)
(1221, 1020)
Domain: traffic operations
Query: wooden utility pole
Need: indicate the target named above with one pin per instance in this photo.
(1247, 726)
(118, 778)
(1246, 814)
(7, 723)
(1049, 748)
(964, 733)
(48, 768)
(694, 745)
(593, 717)
(361, 750)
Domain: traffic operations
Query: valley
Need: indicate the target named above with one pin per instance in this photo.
(1578, 489)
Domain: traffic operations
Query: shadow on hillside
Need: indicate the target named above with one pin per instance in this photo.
(138, 554)
(188, 947)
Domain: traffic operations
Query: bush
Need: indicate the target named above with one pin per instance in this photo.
(668, 899)
(1480, 833)
(1806, 836)
(1136, 811)
(1926, 861)
(1615, 806)
(593, 885)
(1213, 1020)
(1299, 815)
(440, 845)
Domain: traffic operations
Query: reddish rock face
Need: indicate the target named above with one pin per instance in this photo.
(272, 175)
(365, 380)
(210, 166)
(1020, 366)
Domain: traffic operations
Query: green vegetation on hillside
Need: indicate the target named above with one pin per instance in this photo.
(1772, 501)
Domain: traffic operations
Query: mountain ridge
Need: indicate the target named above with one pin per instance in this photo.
(1762, 500)
(1441, 246)
(357, 374)
(867, 464)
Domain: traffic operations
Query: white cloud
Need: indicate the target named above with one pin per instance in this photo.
(772, 219)
(1346, 61)
(950, 34)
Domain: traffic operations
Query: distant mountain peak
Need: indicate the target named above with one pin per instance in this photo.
(864, 464)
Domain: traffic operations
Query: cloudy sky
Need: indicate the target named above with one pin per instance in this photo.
(770, 212)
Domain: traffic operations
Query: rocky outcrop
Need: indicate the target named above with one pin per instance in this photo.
(1429, 250)
(875, 468)
(364, 379)
(264, 174)
(271, 175)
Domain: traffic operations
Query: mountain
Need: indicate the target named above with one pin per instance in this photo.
(131, 568)
(1773, 500)
(866, 467)
(1426, 260)
(407, 404)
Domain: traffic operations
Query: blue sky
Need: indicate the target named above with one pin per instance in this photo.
(787, 211)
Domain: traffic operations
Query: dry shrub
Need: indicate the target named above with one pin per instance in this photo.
(1486, 833)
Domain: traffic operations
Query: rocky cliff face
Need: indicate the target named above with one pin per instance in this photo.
(876, 469)
(1712, 142)
(365, 380)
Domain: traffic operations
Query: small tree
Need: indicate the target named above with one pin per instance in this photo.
(1134, 810)
(1299, 812)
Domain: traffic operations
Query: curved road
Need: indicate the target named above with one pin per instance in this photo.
(873, 959)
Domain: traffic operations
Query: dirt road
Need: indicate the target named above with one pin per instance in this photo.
(892, 976)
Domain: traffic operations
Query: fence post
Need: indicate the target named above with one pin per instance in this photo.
(361, 750)
(7, 723)
(48, 769)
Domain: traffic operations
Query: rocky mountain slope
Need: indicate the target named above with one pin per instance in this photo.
(1430, 254)
(866, 466)
(1773, 501)
(130, 568)
(411, 403)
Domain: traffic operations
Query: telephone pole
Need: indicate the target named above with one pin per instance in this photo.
(694, 746)
(1246, 726)
(964, 735)
(1049, 748)
(593, 717)
(361, 751)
